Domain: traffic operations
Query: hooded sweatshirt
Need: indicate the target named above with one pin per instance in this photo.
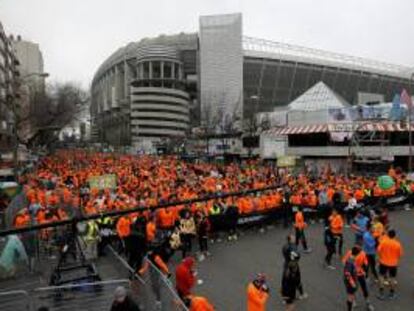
(184, 276)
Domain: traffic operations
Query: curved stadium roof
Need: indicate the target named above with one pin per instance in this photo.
(132, 49)
(255, 47)
(261, 48)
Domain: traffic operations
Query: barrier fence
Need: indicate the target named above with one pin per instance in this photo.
(15, 300)
(79, 218)
(94, 296)
(155, 290)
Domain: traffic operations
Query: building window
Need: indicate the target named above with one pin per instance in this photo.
(176, 71)
(156, 70)
(146, 70)
(140, 71)
(167, 70)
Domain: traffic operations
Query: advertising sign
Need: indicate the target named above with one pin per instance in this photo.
(272, 147)
(286, 161)
(103, 182)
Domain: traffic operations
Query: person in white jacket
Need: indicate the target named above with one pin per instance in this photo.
(188, 231)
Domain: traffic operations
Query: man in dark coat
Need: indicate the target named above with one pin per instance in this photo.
(122, 302)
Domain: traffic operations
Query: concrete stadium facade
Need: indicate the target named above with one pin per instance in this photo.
(260, 75)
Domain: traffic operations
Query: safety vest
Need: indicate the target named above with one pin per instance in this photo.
(405, 188)
(92, 230)
(104, 221)
(214, 210)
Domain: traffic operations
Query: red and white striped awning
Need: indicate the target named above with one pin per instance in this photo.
(291, 130)
(384, 127)
(339, 127)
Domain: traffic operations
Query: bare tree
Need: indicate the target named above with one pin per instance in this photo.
(58, 107)
(253, 126)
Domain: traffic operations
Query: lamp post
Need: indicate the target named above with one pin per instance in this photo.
(251, 122)
(16, 120)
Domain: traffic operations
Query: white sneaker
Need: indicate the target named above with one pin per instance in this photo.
(235, 237)
(330, 267)
(304, 296)
(201, 258)
(229, 238)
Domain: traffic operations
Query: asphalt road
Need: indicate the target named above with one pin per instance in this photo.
(233, 264)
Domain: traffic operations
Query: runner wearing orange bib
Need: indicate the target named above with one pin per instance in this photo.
(336, 224)
(389, 254)
(361, 266)
(300, 226)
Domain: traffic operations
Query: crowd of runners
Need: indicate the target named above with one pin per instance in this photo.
(59, 189)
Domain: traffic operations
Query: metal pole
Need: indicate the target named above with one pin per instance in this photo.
(410, 136)
(410, 142)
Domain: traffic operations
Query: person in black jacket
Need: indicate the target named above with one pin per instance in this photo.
(330, 242)
(288, 248)
(203, 229)
(290, 282)
(122, 302)
(232, 217)
(287, 208)
(138, 243)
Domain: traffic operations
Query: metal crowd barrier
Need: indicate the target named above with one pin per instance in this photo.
(154, 289)
(15, 300)
(94, 296)
(163, 290)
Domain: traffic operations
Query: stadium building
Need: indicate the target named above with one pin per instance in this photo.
(158, 89)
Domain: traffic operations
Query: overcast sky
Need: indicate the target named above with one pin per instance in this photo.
(76, 36)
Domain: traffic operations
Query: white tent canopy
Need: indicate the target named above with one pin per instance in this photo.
(318, 97)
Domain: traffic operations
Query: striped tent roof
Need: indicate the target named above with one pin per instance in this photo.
(323, 128)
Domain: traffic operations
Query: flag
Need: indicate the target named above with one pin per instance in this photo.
(406, 99)
(395, 112)
(396, 101)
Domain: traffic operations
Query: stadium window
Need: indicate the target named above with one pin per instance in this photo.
(167, 70)
(146, 70)
(156, 70)
(176, 71)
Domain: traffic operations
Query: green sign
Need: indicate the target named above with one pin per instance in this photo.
(286, 161)
(103, 182)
